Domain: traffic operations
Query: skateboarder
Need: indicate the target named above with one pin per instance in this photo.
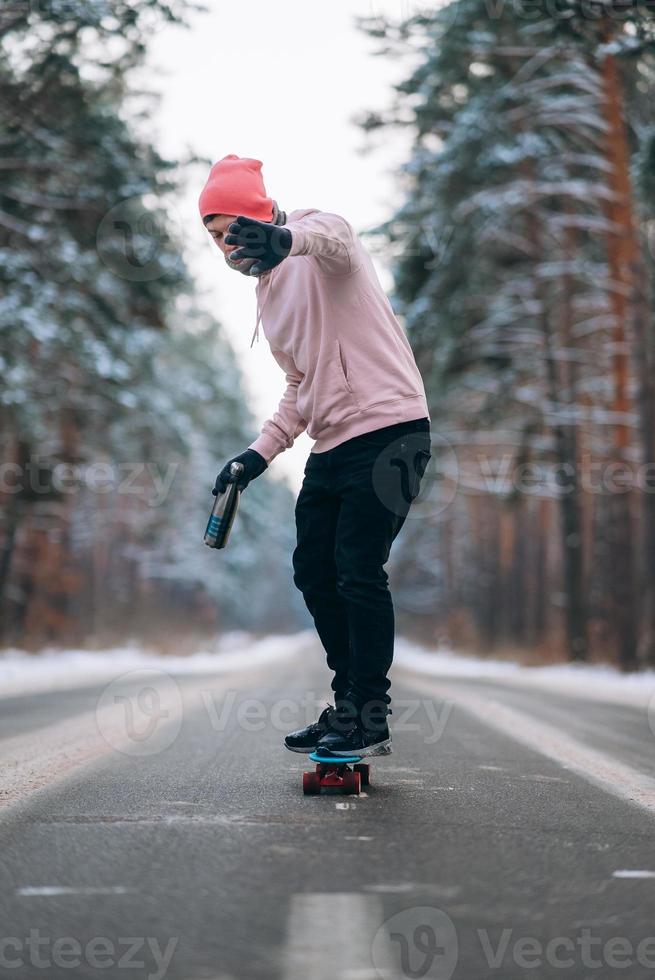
(353, 384)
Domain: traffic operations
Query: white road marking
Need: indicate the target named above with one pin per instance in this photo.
(392, 888)
(614, 777)
(633, 874)
(329, 935)
(422, 888)
(48, 891)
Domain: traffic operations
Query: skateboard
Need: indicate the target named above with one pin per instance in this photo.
(335, 772)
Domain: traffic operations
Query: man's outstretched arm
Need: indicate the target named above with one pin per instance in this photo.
(326, 236)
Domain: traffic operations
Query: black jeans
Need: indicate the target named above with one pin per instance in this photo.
(353, 501)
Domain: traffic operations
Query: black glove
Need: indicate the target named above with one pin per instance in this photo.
(253, 465)
(261, 240)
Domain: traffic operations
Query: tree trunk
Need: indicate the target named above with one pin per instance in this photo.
(18, 453)
(564, 437)
(643, 351)
(622, 251)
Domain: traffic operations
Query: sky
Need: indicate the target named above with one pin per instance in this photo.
(281, 83)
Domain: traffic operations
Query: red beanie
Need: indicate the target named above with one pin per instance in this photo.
(235, 186)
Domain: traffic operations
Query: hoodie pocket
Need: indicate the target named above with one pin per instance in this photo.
(330, 399)
(342, 365)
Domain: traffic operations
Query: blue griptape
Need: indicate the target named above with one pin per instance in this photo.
(315, 757)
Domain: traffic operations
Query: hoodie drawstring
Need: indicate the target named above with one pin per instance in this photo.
(256, 331)
(259, 314)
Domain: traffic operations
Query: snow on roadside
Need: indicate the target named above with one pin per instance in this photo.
(52, 669)
(597, 682)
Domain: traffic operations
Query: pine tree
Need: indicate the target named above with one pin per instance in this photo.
(512, 157)
(105, 358)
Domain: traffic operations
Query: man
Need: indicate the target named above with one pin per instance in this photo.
(353, 384)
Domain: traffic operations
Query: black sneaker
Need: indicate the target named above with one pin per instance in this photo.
(306, 739)
(355, 740)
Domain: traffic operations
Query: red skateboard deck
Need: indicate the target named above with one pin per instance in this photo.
(345, 774)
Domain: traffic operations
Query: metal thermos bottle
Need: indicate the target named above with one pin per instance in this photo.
(224, 511)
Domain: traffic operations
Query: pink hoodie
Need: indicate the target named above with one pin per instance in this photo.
(348, 364)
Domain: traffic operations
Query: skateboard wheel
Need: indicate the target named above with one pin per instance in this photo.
(363, 769)
(311, 783)
(352, 783)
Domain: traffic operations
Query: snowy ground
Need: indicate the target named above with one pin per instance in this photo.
(52, 670)
(599, 683)
(21, 672)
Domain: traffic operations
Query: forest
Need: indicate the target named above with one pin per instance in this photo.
(119, 396)
(523, 271)
(522, 259)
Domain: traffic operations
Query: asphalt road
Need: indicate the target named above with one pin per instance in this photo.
(157, 828)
